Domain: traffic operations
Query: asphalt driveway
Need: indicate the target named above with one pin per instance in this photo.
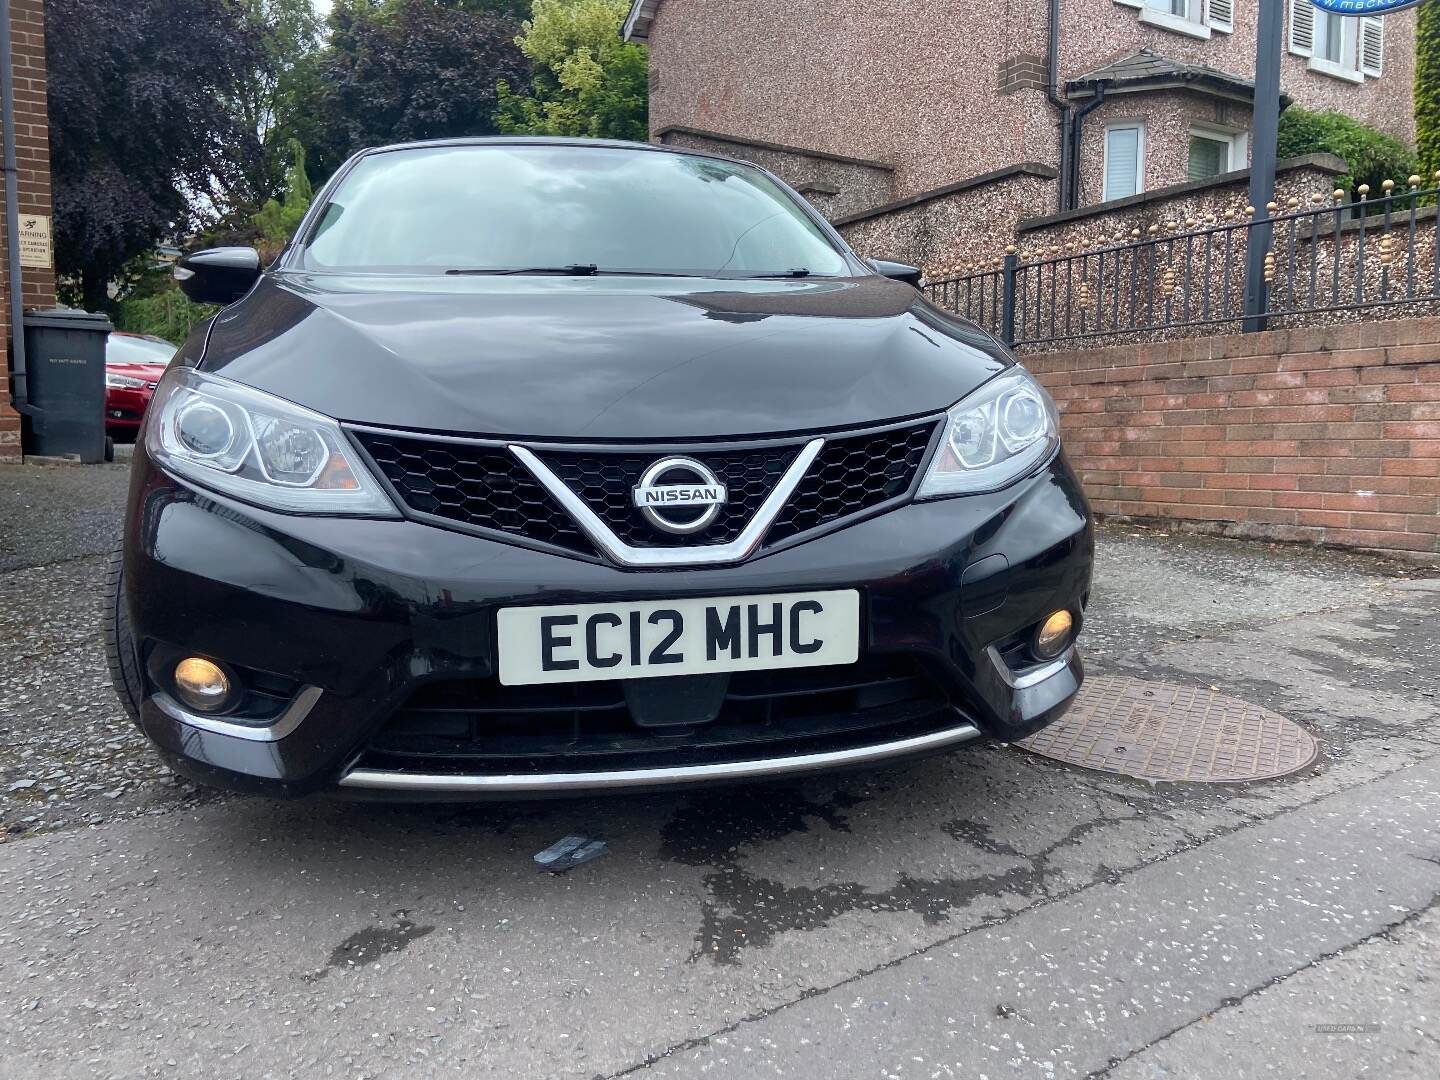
(986, 914)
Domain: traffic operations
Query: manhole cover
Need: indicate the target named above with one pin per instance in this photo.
(1160, 731)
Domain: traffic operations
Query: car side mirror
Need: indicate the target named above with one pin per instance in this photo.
(217, 275)
(898, 271)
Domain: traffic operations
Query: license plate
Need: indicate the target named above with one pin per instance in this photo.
(584, 642)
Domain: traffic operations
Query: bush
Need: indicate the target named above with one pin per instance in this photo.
(1372, 155)
(1427, 88)
(276, 221)
(154, 304)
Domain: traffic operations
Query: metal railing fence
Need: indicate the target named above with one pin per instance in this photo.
(1329, 256)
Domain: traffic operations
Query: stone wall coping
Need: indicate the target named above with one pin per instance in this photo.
(1327, 163)
(1330, 337)
(1024, 168)
(759, 144)
(1321, 226)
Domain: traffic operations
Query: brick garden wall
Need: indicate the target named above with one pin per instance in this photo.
(1324, 435)
(32, 152)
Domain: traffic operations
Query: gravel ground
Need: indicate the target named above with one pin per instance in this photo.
(68, 754)
(988, 913)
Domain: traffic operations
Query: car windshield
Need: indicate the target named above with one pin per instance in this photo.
(121, 349)
(564, 209)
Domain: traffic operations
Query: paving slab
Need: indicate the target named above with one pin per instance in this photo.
(1074, 986)
(1368, 1009)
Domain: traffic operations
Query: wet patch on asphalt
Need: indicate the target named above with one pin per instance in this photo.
(364, 947)
(1372, 672)
(709, 828)
(746, 910)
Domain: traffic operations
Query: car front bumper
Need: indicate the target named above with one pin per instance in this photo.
(355, 615)
(125, 408)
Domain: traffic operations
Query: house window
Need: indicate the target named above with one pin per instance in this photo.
(1330, 39)
(1193, 18)
(1124, 160)
(1339, 46)
(1214, 151)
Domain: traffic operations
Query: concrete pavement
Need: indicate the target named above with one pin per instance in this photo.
(985, 914)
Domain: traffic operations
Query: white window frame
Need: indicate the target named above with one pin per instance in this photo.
(1348, 66)
(1196, 22)
(1237, 143)
(1191, 24)
(1122, 125)
(1351, 67)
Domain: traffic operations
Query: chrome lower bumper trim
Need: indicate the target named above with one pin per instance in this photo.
(386, 780)
(1033, 676)
(282, 725)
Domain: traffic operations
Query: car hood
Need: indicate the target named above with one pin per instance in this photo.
(602, 357)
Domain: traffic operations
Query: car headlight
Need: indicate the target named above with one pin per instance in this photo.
(993, 437)
(124, 382)
(259, 448)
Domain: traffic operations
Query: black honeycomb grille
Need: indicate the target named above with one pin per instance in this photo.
(480, 486)
(852, 475)
(606, 481)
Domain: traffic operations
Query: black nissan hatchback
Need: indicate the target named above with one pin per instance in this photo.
(537, 466)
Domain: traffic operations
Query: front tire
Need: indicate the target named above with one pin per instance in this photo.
(121, 652)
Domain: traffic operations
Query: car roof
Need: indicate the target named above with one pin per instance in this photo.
(550, 140)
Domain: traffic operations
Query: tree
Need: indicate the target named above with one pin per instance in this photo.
(1373, 156)
(1427, 88)
(269, 105)
(396, 70)
(139, 118)
(277, 221)
(588, 81)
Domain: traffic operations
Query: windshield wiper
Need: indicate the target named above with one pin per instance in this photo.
(797, 272)
(570, 270)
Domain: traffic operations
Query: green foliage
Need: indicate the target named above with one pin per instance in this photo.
(1427, 88)
(269, 105)
(276, 221)
(153, 304)
(1372, 155)
(395, 70)
(587, 81)
(141, 125)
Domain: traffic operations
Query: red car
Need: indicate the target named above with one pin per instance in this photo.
(133, 365)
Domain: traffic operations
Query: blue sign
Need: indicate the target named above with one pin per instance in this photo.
(1356, 8)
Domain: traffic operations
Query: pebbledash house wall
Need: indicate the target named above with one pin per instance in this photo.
(947, 92)
(32, 152)
(835, 184)
(888, 81)
(1321, 435)
(1224, 197)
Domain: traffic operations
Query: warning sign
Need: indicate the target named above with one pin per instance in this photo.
(35, 249)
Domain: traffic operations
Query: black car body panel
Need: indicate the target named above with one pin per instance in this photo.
(367, 647)
(368, 617)
(600, 358)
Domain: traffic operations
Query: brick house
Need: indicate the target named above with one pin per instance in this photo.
(32, 180)
(909, 121)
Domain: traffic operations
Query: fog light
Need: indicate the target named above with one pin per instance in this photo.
(201, 684)
(1054, 635)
